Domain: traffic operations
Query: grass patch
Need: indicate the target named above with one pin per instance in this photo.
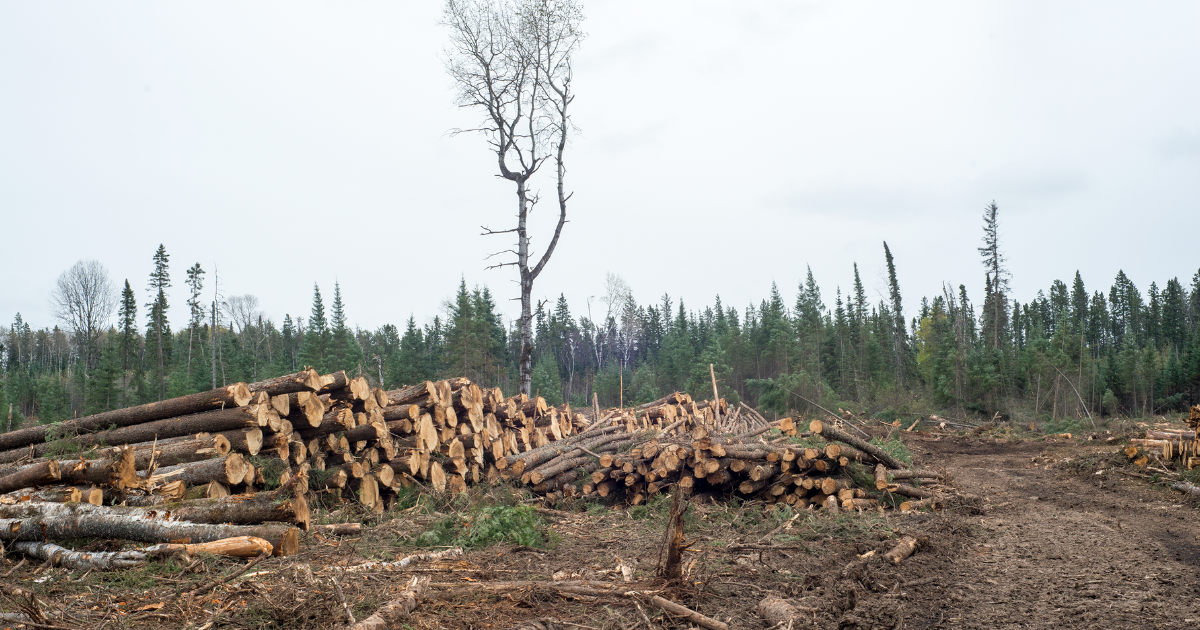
(515, 524)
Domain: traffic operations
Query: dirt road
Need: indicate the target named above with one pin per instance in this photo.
(1056, 545)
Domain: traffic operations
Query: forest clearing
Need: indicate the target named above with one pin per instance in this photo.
(315, 501)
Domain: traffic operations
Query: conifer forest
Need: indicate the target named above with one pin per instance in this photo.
(1078, 349)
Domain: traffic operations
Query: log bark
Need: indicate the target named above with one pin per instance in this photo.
(283, 505)
(39, 474)
(831, 433)
(234, 395)
(230, 469)
(60, 521)
(305, 381)
(331, 382)
(80, 560)
(206, 422)
(414, 394)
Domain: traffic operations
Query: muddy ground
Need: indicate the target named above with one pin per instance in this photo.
(1059, 534)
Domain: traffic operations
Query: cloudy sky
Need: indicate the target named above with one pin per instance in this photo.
(723, 146)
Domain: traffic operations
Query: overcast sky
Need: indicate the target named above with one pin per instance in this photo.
(723, 146)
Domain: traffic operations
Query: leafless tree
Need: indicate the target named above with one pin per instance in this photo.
(510, 61)
(242, 310)
(84, 300)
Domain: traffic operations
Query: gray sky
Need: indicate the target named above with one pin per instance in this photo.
(723, 146)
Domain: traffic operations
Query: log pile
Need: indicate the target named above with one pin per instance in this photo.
(176, 472)
(198, 468)
(1169, 444)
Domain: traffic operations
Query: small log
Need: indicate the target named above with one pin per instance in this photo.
(119, 471)
(905, 547)
(236, 547)
(424, 394)
(909, 506)
(245, 441)
(335, 381)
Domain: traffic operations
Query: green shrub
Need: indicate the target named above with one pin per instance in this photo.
(895, 448)
(491, 525)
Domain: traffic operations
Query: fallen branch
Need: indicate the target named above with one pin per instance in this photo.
(393, 612)
(403, 562)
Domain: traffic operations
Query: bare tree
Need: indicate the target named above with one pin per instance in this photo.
(510, 60)
(242, 310)
(84, 300)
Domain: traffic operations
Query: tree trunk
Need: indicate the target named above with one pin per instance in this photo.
(230, 469)
(39, 474)
(206, 422)
(306, 381)
(80, 560)
(61, 521)
(235, 395)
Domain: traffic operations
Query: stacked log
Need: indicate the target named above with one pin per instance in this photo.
(209, 458)
(189, 453)
(1169, 444)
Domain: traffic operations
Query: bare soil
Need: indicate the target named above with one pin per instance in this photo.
(1045, 542)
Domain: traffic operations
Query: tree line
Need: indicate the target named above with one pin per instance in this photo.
(1070, 352)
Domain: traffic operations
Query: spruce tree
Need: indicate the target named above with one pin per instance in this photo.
(1079, 303)
(127, 316)
(314, 350)
(157, 325)
(899, 333)
(996, 299)
(344, 351)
